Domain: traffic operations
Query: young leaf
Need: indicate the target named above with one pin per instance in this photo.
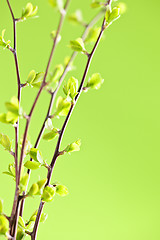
(76, 17)
(48, 194)
(29, 11)
(75, 146)
(44, 217)
(57, 73)
(51, 135)
(61, 190)
(71, 88)
(95, 81)
(1, 206)
(5, 142)
(21, 222)
(78, 45)
(36, 155)
(95, 4)
(3, 118)
(13, 106)
(23, 182)
(34, 189)
(57, 4)
(4, 225)
(62, 107)
(32, 165)
(48, 124)
(20, 234)
(41, 184)
(112, 16)
(53, 36)
(93, 35)
(3, 43)
(38, 79)
(31, 77)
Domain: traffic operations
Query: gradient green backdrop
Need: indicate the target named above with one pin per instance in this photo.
(114, 181)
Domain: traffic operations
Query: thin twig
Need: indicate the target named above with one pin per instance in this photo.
(14, 51)
(53, 94)
(56, 153)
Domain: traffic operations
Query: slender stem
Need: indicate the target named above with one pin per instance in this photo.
(53, 95)
(41, 88)
(14, 208)
(56, 153)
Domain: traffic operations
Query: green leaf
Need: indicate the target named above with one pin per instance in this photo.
(53, 36)
(48, 194)
(4, 225)
(38, 80)
(29, 11)
(11, 117)
(48, 124)
(114, 15)
(3, 118)
(95, 4)
(62, 106)
(5, 142)
(31, 76)
(24, 181)
(1, 206)
(32, 165)
(61, 190)
(13, 105)
(34, 189)
(51, 135)
(44, 217)
(36, 155)
(57, 4)
(93, 35)
(75, 146)
(59, 69)
(71, 88)
(95, 81)
(41, 183)
(21, 222)
(11, 169)
(76, 17)
(78, 45)
(20, 234)
(3, 43)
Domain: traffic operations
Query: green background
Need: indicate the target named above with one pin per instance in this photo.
(114, 181)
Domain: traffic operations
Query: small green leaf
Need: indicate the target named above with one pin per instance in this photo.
(93, 35)
(57, 73)
(11, 169)
(95, 4)
(62, 106)
(31, 76)
(21, 222)
(34, 189)
(5, 142)
(36, 155)
(20, 234)
(48, 124)
(53, 36)
(32, 165)
(3, 118)
(24, 181)
(48, 194)
(4, 225)
(38, 79)
(61, 190)
(51, 135)
(57, 4)
(78, 45)
(29, 11)
(76, 17)
(1, 206)
(114, 15)
(44, 217)
(71, 88)
(3, 43)
(95, 81)
(41, 183)
(75, 146)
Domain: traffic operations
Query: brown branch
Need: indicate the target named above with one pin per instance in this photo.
(56, 153)
(41, 88)
(53, 94)
(17, 124)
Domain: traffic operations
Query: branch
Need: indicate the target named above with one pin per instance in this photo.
(53, 94)
(56, 153)
(17, 124)
(41, 88)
